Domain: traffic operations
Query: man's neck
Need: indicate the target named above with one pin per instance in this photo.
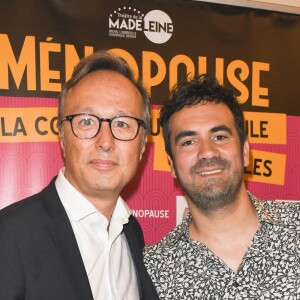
(227, 232)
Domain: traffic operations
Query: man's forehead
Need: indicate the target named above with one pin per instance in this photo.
(193, 119)
(203, 112)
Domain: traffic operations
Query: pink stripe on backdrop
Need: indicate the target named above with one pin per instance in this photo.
(6, 101)
(26, 168)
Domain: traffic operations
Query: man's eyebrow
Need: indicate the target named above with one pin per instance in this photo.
(183, 134)
(186, 133)
(221, 128)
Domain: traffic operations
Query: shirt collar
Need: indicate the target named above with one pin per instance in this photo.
(78, 207)
(265, 214)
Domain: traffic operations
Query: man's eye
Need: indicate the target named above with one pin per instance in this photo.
(121, 124)
(219, 138)
(187, 143)
(86, 122)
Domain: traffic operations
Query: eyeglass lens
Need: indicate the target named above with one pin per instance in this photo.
(122, 128)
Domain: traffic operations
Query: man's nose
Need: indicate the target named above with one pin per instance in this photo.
(104, 138)
(207, 149)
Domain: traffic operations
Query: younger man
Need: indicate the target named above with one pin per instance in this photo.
(232, 245)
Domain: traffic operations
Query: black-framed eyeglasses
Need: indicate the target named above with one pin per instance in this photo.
(87, 126)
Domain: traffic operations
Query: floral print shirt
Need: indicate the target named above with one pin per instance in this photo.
(182, 268)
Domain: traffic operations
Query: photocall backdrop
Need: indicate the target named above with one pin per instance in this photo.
(255, 52)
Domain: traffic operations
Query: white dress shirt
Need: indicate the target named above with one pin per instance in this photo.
(105, 253)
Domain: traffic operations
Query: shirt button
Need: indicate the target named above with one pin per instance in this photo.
(235, 284)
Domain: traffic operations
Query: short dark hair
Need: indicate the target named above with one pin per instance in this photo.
(201, 88)
(103, 60)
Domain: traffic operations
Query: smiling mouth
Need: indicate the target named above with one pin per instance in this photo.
(210, 172)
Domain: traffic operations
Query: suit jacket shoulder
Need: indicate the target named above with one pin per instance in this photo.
(39, 255)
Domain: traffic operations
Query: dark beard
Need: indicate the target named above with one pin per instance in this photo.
(215, 194)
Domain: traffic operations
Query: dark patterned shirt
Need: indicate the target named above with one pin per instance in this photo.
(182, 268)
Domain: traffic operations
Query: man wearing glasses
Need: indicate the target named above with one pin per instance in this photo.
(77, 239)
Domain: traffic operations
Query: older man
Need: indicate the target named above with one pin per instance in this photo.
(77, 239)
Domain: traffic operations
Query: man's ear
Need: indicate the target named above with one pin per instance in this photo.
(172, 167)
(246, 153)
(143, 146)
(61, 142)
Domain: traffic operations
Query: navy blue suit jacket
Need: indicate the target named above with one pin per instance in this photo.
(39, 255)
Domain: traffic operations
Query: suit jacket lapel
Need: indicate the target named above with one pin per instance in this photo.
(135, 239)
(64, 239)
